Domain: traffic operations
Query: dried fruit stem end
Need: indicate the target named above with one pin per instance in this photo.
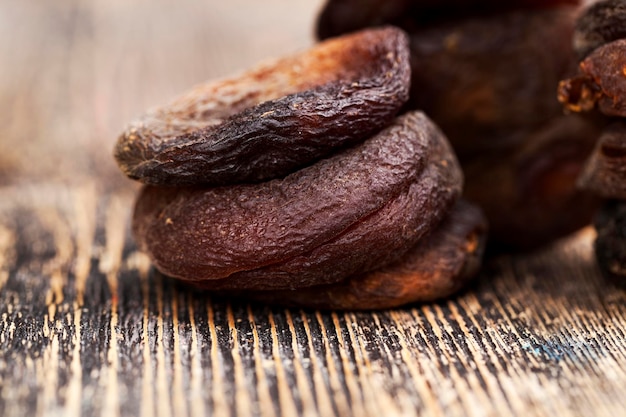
(601, 83)
(578, 94)
(601, 23)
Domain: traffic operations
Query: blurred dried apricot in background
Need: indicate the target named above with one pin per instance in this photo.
(529, 193)
(486, 72)
(275, 118)
(601, 23)
(342, 16)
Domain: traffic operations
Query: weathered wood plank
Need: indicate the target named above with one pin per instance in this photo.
(539, 334)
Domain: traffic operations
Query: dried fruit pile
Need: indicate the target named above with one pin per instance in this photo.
(600, 42)
(296, 183)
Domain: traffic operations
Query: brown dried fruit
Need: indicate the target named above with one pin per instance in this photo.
(356, 211)
(601, 85)
(605, 172)
(275, 118)
(529, 193)
(438, 266)
(602, 82)
(610, 245)
(486, 73)
(347, 214)
(489, 82)
(601, 23)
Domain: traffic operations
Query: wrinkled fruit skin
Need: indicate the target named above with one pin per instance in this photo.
(601, 83)
(487, 75)
(352, 212)
(372, 219)
(436, 267)
(274, 118)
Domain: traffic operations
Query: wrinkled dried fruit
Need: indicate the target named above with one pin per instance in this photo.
(529, 193)
(275, 118)
(602, 82)
(230, 208)
(353, 212)
(601, 23)
(605, 172)
(438, 266)
(610, 245)
(486, 73)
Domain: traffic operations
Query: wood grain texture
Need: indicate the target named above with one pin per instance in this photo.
(87, 327)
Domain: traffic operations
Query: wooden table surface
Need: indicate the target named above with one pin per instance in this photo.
(88, 327)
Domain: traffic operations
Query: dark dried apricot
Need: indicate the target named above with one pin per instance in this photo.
(610, 244)
(605, 172)
(275, 118)
(437, 266)
(486, 73)
(601, 23)
(342, 16)
(354, 211)
(489, 81)
(602, 82)
(281, 181)
(600, 88)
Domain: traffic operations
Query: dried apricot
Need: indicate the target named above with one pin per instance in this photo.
(605, 172)
(486, 72)
(275, 118)
(342, 16)
(610, 244)
(601, 23)
(437, 266)
(601, 83)
(355, 211)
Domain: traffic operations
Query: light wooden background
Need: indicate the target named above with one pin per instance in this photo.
(87, 327)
